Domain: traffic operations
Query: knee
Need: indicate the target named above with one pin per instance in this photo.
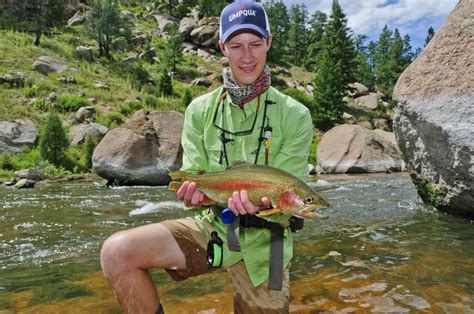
(116, 253)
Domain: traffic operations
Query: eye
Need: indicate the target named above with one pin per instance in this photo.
(308, 200)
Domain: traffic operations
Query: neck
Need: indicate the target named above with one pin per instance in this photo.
(242, 94)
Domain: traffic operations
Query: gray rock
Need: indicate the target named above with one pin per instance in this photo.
(358, 90)
(79, 132)
(355, 149)
(165, 22)
(206, 35)
(77, 19)
(30, 174)
(13, 79)
(370, 101)
(25, 184)
(128, 156)
(186, 25)
(15, 135)
(45, 65)
(119, 44)
(201, 82)
(434, 122)
(86, 52)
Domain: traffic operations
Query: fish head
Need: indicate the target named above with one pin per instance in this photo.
(302, 201)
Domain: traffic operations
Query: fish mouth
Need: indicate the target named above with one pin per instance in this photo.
(311, 213)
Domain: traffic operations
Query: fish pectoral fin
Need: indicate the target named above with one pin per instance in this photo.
(174, 185)
(267, 212)
(208, 202)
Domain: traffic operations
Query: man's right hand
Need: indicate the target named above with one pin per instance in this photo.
(191, 196)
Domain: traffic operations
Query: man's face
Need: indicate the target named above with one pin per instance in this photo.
(247, 54)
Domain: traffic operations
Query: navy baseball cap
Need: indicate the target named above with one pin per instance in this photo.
(241, 15)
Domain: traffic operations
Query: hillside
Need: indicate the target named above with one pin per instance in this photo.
(129, 81)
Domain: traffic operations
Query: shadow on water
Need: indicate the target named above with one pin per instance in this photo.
(382, 250)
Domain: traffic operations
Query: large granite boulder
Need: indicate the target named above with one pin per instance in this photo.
(355, 149)
(129, 156)
(434, 124)
(16, 135)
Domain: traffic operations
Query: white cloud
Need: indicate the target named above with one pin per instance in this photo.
(368, 17)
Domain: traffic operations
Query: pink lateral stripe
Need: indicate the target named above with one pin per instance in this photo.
(240, 185)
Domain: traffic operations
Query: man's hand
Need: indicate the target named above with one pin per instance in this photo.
(191, 196)
(240, 203)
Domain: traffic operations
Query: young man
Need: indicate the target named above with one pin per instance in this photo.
(236, 122)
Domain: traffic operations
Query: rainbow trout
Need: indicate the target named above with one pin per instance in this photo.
(288, 194)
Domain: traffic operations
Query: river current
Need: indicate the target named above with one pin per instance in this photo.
(381, 250)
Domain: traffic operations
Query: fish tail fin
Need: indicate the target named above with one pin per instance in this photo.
(177, 175)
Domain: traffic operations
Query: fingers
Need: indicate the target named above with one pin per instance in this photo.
(266, 203)
(240, 203)
(189, 194)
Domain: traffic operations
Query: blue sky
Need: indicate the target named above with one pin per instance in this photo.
(412, 17)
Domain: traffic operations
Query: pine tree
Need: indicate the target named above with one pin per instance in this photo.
(173, 52)
(364, 73)
(339, 45)
(297, 35)
(53, 141)
(328, 92)
(278, 19)
(317, 24)
(165, 84)
(104, 24)
(37, 16)
(381, 57)
(429, 36)
(211, 7)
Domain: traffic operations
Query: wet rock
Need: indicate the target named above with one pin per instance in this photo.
(128, 156)
(25, 184)
(354, 149)
(434, 124)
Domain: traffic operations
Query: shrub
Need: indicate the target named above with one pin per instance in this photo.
(187, 97)
(130, 107)
(151, 101)
(53, 141)
(88, 149)
(70, 103)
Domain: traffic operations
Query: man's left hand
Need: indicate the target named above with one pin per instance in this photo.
(240, 203)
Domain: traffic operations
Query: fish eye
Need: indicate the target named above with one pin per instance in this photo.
(308, 200)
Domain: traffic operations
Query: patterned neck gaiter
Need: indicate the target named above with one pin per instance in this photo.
(242, 94)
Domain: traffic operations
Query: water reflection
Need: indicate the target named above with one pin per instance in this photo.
(381, 250)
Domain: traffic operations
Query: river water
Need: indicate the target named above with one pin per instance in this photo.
(381, 250)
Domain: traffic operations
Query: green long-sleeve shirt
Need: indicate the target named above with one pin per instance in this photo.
(291, 136)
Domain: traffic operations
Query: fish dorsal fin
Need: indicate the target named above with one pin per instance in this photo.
(239, 164)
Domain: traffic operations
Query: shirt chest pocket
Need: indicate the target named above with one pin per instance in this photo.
(213, 150)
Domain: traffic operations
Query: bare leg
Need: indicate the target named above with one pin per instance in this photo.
(127, 255)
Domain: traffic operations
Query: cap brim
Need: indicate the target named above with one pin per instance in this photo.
(241, 27)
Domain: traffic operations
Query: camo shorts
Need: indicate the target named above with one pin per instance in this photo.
(247, 298)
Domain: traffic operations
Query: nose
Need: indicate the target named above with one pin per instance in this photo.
(247, 53)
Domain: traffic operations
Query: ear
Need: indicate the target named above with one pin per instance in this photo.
(222, 47)
(269, 42)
